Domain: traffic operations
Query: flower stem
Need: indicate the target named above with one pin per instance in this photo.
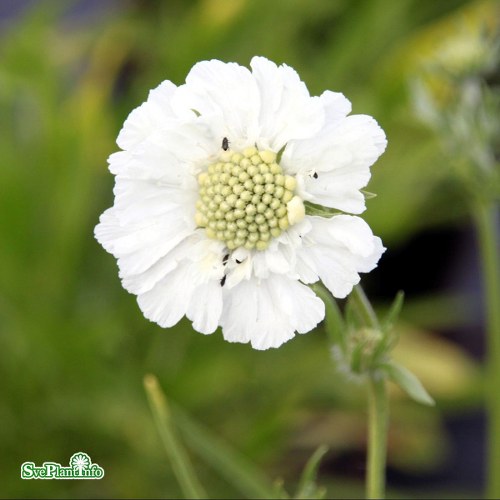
(486, 219)
(378, 409)
(378, 416)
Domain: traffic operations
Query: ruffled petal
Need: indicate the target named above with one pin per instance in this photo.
(336, 107)
(140, 201)
(168, 155)
(268, 312)
(205, 307)
(337, 250)
(225, 90)
(191, 288)
(142, 282)
(287, 110)
(153, 115)
(332, 167)
(139, 246)
(167, 302)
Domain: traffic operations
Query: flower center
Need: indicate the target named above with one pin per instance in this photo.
(245, 200)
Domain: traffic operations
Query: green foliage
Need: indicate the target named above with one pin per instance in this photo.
(181, 465)
(408, 382)
(307, 486)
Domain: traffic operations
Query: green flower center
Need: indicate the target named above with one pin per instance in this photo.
(246, 200)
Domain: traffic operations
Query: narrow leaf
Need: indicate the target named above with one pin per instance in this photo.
(408, 382)
(394, 311)
(363, 307)
(357, 357)
(352, 317)
(229, 463)
(307, 485)
(178, 456)
(313, 209)
(368, 195)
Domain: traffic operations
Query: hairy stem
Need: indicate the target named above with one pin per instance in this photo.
(378, 409)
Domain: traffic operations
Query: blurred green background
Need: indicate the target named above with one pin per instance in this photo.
(74, 347)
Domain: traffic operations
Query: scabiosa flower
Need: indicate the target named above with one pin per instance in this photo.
(214, 186)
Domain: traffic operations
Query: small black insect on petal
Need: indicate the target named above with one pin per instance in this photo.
(223, 280)
(224, 259)
(315, 175)
(225, 144)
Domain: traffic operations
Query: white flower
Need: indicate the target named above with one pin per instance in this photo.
(209, 220)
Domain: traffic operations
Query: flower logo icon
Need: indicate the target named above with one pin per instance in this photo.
(79, 462)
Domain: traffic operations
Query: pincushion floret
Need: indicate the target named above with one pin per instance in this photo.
(209, 217)
(246, 200)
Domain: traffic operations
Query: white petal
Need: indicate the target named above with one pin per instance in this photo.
(205, 307)
(153, 115)
(192, 288)
(227, 90)
(276, 262)
(268, 312)
(238, 272)
(139, 246)
(240, 306)
(341, 156)
(287, 110)
(167, 302)
(370, 261)
(140, 201)
(273, 260)
(336, 107)
(194, 246)
(168, 155)
(337, 250)
(144, 281)
(119, 161)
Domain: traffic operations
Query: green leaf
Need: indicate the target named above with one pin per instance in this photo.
(352, 317)
(280, 154)
(307, 485)
(229, 463)
(389, 334)
(314, 209)
(357, 357)
(394, 311)
(177, 454)
(279, 489)
(368, 195)
(408, 382)
(363, 307)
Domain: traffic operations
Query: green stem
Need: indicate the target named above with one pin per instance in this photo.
(183, 470)
(378, 408)
(378, 416)
(486, 219)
